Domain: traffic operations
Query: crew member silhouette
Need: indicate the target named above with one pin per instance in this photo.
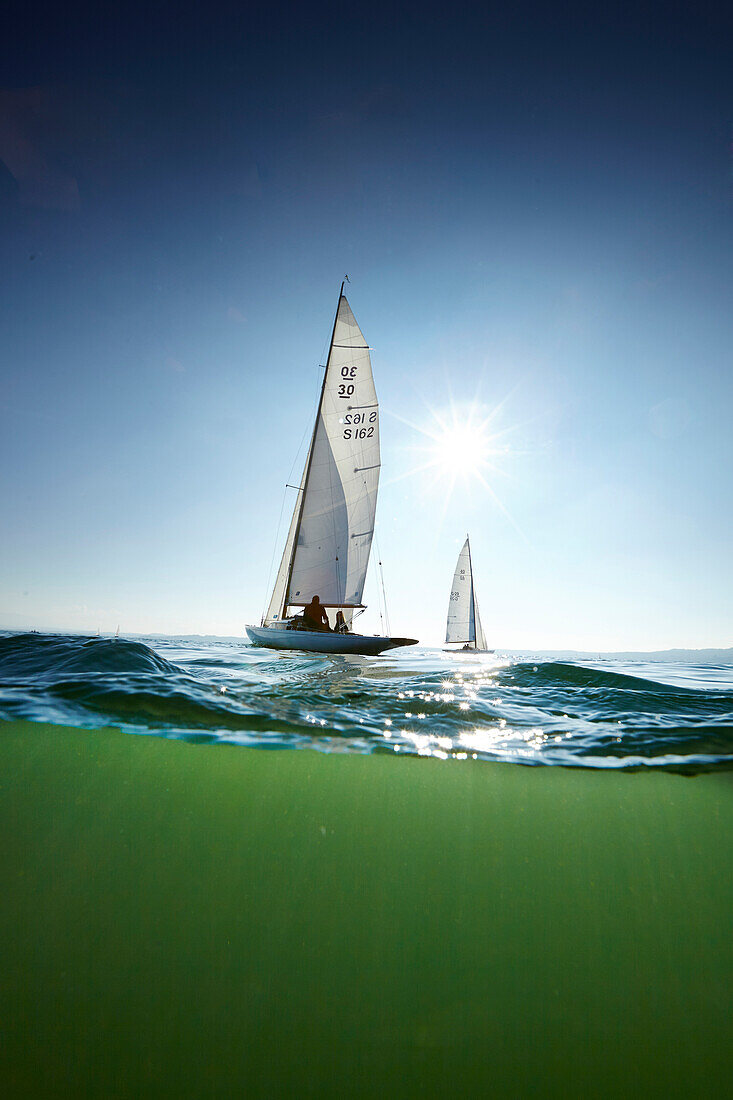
(340, 627)
(315, 615)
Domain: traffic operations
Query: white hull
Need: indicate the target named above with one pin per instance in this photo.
(468, 649)
(316, 641)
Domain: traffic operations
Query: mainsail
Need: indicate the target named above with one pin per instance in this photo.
(330, 536)
(461, 622)
(464, 622)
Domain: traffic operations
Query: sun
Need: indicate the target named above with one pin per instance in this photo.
(462, 449)
(462, 444)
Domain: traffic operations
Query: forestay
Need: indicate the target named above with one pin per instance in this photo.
(330, 537)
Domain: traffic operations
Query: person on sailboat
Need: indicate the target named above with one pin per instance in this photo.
(340, 626)
(315, 615)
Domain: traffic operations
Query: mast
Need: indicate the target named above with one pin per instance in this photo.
(301, 503)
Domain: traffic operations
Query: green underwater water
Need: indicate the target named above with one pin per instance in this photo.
(213, 921)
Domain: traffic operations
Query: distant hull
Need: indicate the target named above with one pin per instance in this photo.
(316, 641)
(468, 649)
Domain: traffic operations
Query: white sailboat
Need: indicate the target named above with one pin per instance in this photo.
(330, 537)
(464, 621)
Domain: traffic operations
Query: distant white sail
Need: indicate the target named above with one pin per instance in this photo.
(461, 625)
(464, 621)
(480, 636)
(329, 541)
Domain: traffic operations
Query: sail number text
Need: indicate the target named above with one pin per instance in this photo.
(358, 433)
(456, 595)
(346, 389)
(357, 425)
(367, 419)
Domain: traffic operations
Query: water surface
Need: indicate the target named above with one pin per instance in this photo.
(610, 714)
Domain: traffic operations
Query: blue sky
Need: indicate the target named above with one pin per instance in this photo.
(535, 213)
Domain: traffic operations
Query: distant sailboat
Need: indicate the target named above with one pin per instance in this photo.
(330, 537)
(464, 621)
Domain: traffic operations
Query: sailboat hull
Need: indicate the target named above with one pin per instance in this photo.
(467, 649)
(316, 641)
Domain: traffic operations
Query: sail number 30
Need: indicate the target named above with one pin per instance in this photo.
(346, 389)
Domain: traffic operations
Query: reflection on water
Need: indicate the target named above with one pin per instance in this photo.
(422, 701)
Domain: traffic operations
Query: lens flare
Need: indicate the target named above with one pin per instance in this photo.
(461, 447)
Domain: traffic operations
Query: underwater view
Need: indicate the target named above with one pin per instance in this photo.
(370, 367)
(403, 911)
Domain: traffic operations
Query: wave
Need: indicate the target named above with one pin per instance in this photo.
(47, 654)
(566, 674)
(424, 702)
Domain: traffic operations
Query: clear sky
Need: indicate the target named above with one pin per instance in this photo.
(534, 208)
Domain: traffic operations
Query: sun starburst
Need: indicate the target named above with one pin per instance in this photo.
(462, 447)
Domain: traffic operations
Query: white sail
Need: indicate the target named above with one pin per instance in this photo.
(464, 621)
(461, 626)
(340, 494)
(480, 636)
(327, 550)
(330, 535)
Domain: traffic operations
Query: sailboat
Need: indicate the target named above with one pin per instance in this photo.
(330, 536)
(464, 621)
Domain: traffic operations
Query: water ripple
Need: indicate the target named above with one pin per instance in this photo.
(424, 702)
